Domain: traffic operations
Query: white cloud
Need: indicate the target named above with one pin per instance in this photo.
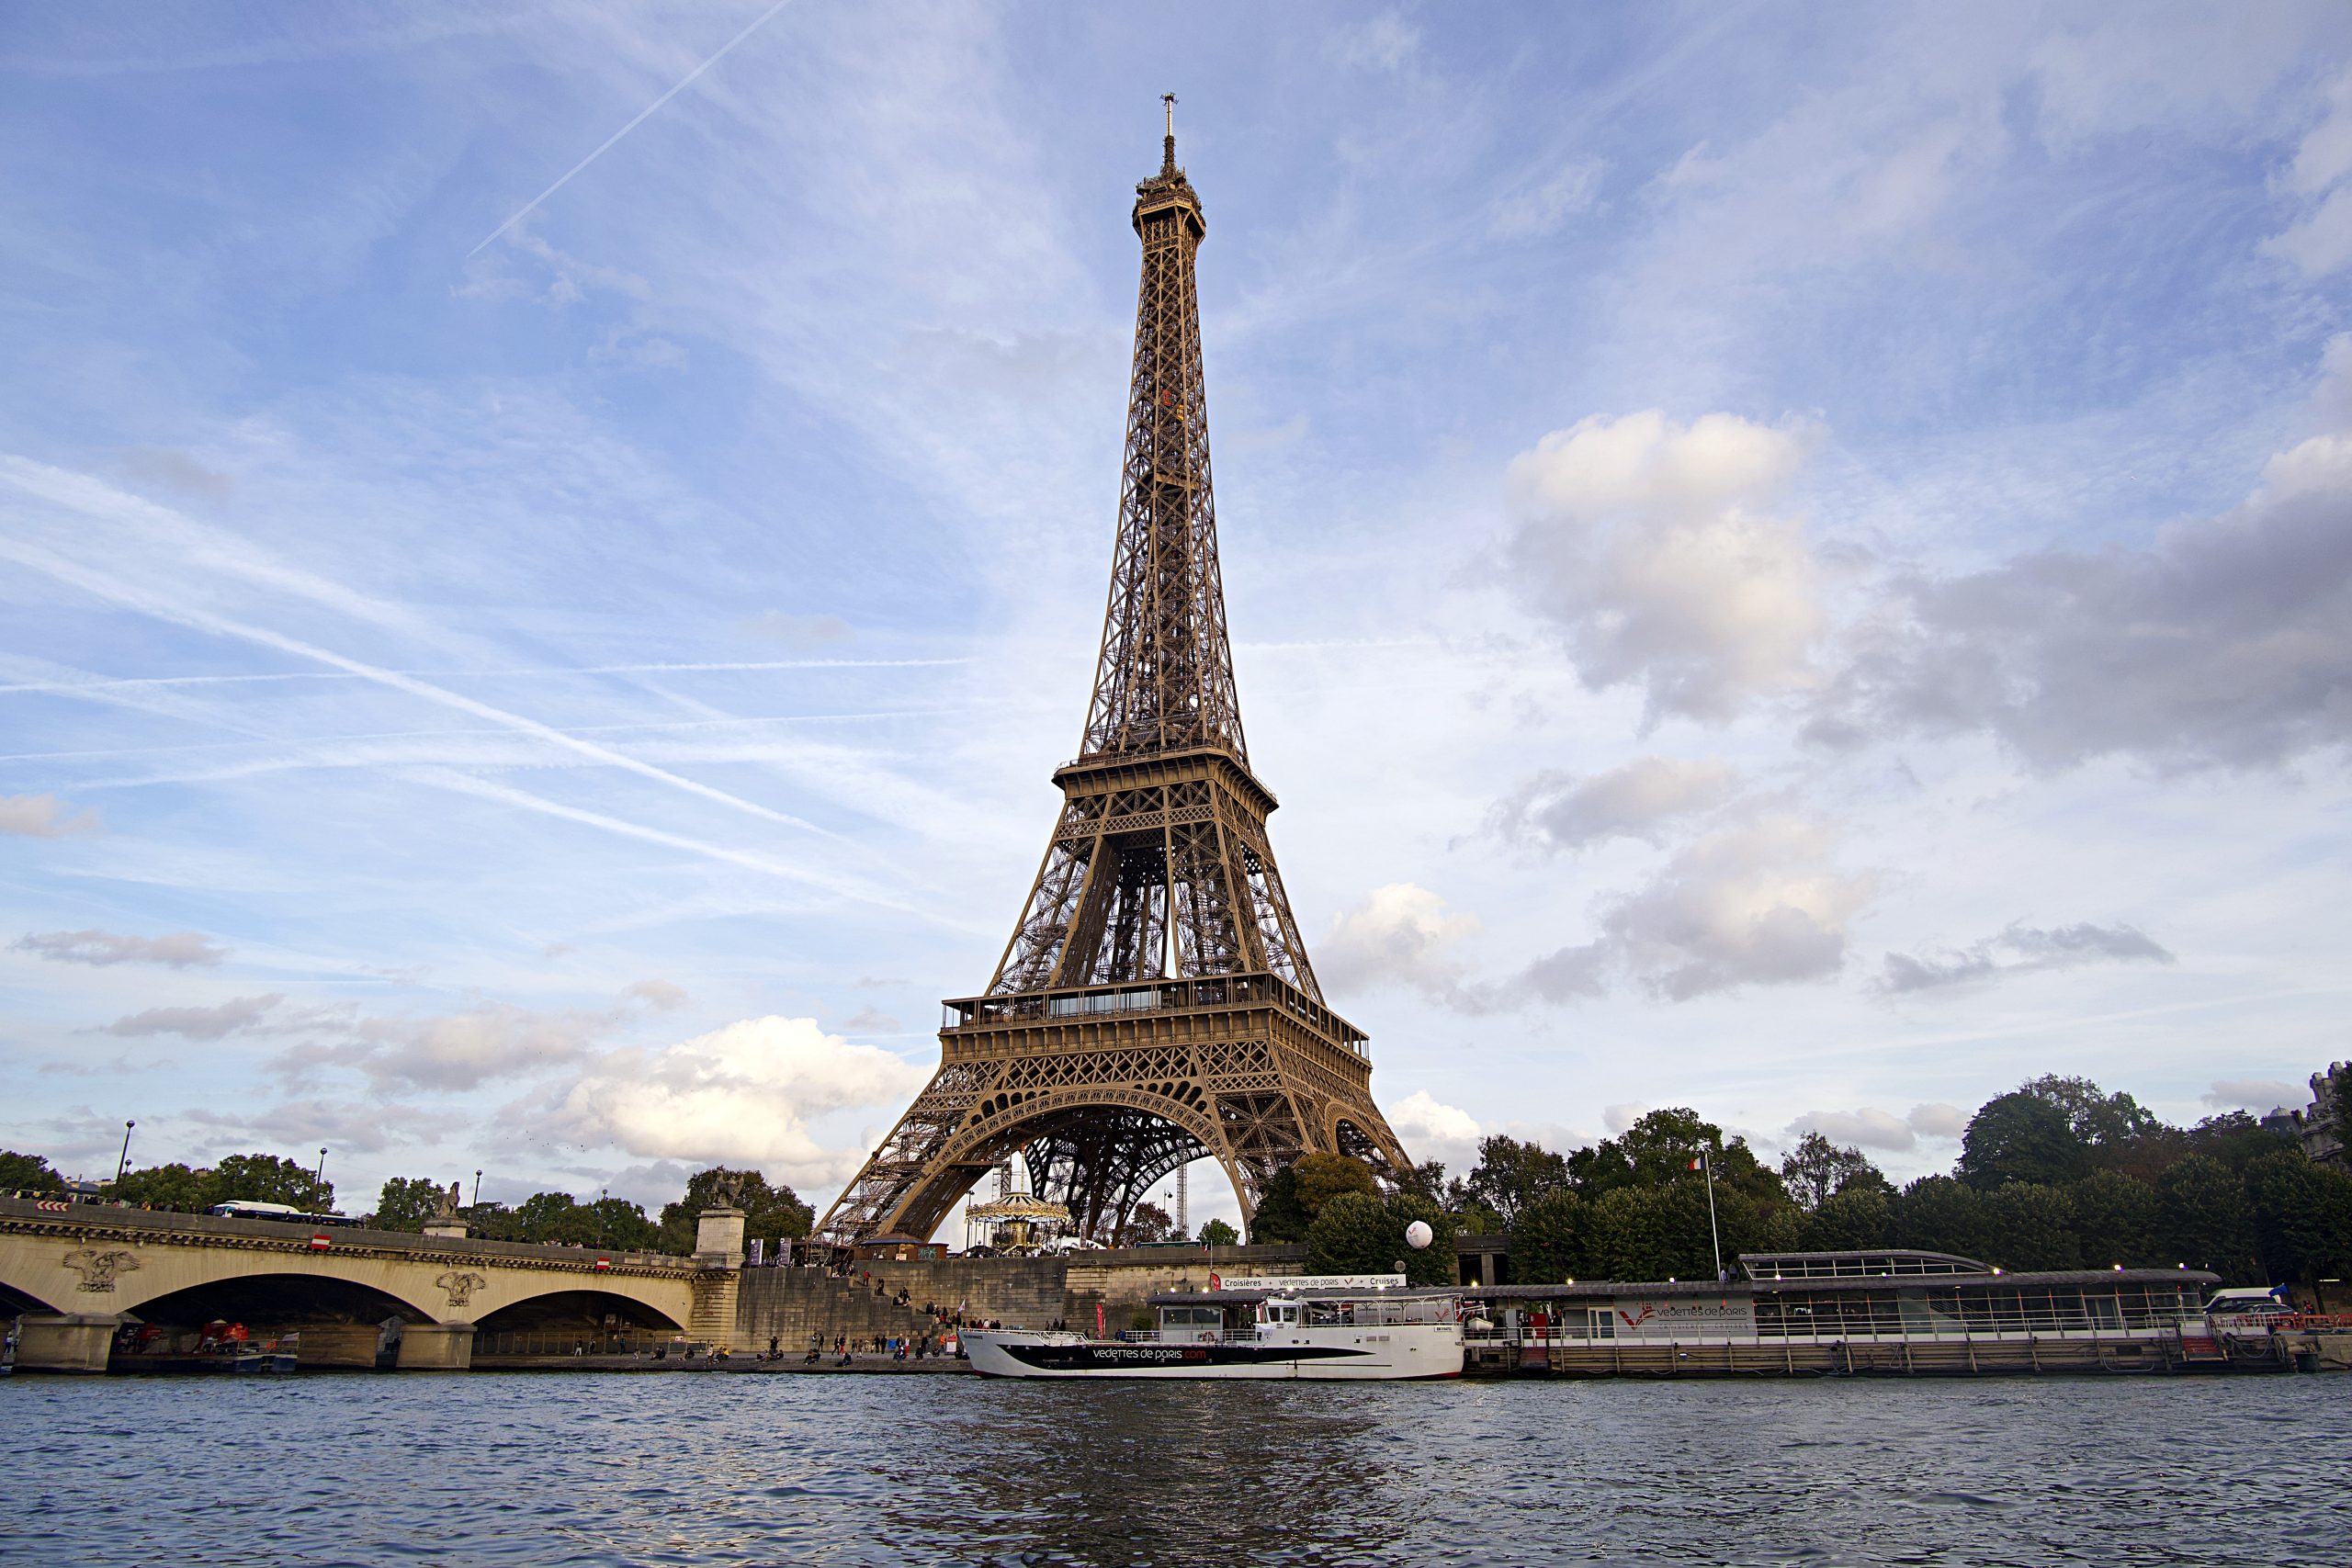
(2020, 950)
(457, 1050)
(2226, 643)
(2255, 1094)
(1620, 1118)
(743, 1094)
(798, 631)
(179, 949)
(870, 1020)
(200, 1022)
(1401, 934)
(1866, 1128)
(1385, 42)
(1431, 1129)
(660, 995)
(1759, 903)
(1557, 810)
(1655, 550)
(1541, 208)
(44, 817)
(1937, 1120)
(2320, 241)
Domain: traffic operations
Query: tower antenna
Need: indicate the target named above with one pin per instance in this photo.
(1168, 142)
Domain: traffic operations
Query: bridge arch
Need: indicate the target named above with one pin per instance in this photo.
(16, 1301)
(286, 1299)
(570, 1310)
(1102, 1166)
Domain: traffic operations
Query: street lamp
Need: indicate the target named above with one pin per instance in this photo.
(122, 1166)
(476, 1189)
(320, 1174)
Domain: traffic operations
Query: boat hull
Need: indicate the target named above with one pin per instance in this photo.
(1013, 1353)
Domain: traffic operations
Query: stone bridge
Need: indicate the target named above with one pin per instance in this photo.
(74, 1273)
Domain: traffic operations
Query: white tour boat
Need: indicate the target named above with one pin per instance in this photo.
(1339, 1328)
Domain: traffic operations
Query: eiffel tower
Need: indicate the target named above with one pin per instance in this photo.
(1155, 1005)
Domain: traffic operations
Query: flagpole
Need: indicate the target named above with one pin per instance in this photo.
(1707, 1164)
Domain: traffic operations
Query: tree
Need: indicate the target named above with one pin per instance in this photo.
(1511, 1174)
(165, 1186)
(2107, 1122)
(1358, 1234)
(1280, 1216)
(1860, 1219)
(2114, 1217)
(407, 1202)
(2201, 1219)
(1322, 1177)
(1816, 1169)
(770, 1213)
(2028, 1225)
(2021, 1137)
(1551, 1239)
(1295, 1194)
(269, 1179)
(1146, 1222)
(1936, 1213)
(1217, 1232)
(2303, 1217)
(27, 1173)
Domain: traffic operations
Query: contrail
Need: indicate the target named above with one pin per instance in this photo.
(122, 593)
(681, 85)
(98, 683)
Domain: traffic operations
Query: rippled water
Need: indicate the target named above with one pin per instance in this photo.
(710, 1469)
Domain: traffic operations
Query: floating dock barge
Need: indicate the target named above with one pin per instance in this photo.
(1894, 1311)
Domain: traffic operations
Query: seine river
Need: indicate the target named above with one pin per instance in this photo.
(716, 1467)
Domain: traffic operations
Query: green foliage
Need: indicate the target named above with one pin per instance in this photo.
(2104, 1121)
(2201, 1219)
(1146, 1223)
(2022, 1137)
(2115, 1219)
(2030, 1226)
(2303, 1217)
(558, 1219)
(1552, 1239)
(1217, 1232)
(1298, 1193)
(407, 1202)
(1936, 1213)
(1357, 1234)
(1817, 1170)
(770, 1213)
(1857, 1219)
(165, 1187)
(1280, 1216)
(1511, 1174)
(256, 1178)
(1322, 1177)
(271, 1178)
(27, 1173)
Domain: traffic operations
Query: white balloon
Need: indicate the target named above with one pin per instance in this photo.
(1418, 1235)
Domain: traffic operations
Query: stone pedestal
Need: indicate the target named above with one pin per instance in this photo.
(349, 1345)
(65, 1342)
(436, 1348)
(718, 1255)
(454, 1229)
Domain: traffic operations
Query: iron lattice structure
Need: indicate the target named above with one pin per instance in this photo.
(1154, 1004)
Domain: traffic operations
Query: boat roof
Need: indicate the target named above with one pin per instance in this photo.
(1821, 1285)
(1246, 1298)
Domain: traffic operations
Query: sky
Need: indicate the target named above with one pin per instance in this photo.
(1790, 560)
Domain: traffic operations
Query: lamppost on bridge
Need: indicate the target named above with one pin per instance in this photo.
(477, 1204)
(122, 1166)
(320, 1174)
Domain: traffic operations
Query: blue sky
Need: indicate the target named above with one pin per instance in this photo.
(1793, 560)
